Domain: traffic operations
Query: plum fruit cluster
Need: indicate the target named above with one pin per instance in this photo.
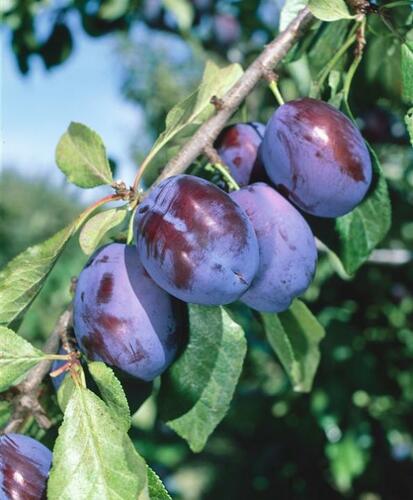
(195, 243)
(24, 467)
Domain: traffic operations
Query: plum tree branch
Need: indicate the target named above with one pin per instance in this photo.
(26, 403)
(267, 60)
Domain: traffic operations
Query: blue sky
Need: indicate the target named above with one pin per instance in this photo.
(36, 109)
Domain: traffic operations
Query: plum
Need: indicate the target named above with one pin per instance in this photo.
(288, 253)
(238, 146)
(196, 242)
(122, 317)
(226, 29)
(24, 467)
(316, 157)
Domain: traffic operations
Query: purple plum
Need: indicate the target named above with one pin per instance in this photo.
(288, 254)
(24, 468)
(316, 157)
(122, 317)
(226, 29)
(238, 146)
(195, 242)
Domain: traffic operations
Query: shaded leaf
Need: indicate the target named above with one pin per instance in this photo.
(93, 459)
(112, 393)
(81, 156)
(329, 10)
(407, 71)
(185, 118)
(362, 229)
(409, 123)
(5, 413)
(200, 385)
(295, 336)
(17, 357)
(97, 226)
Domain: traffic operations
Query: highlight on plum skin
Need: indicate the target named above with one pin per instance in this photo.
(122, 317)
(196, 242)
(316, 157)
(24, 467)
(288, 254)
(239, 147)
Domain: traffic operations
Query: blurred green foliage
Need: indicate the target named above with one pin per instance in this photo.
(352, 436)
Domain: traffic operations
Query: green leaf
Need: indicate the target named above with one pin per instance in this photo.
(113, 9)
(81, 156)
(97, 226)
(93, 459)
(295, 336)
(196, 395)
(409, 123)
(348, 460)
(183, 12)
(364, 228)
(407, 71)
(289, 11)
(17, 357)
(157, 490)
(112, 393)
(23, 277)
(65, 392)
(5, 413)
(185, 118)
(329, 10)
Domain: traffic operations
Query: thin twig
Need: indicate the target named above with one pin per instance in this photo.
(267, 60)
(27, 403)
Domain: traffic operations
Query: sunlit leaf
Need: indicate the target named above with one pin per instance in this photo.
(17, 357)
(329, 10)
(112, 393)
(97, 226)
(93, 459)
(81, 156)
(185, 118)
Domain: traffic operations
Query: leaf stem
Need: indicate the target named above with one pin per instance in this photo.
(332, 63)
(273, 85)
(354, 65)
(223, 170)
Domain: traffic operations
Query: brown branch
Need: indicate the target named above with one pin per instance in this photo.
(26, 403)
(267, 60)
